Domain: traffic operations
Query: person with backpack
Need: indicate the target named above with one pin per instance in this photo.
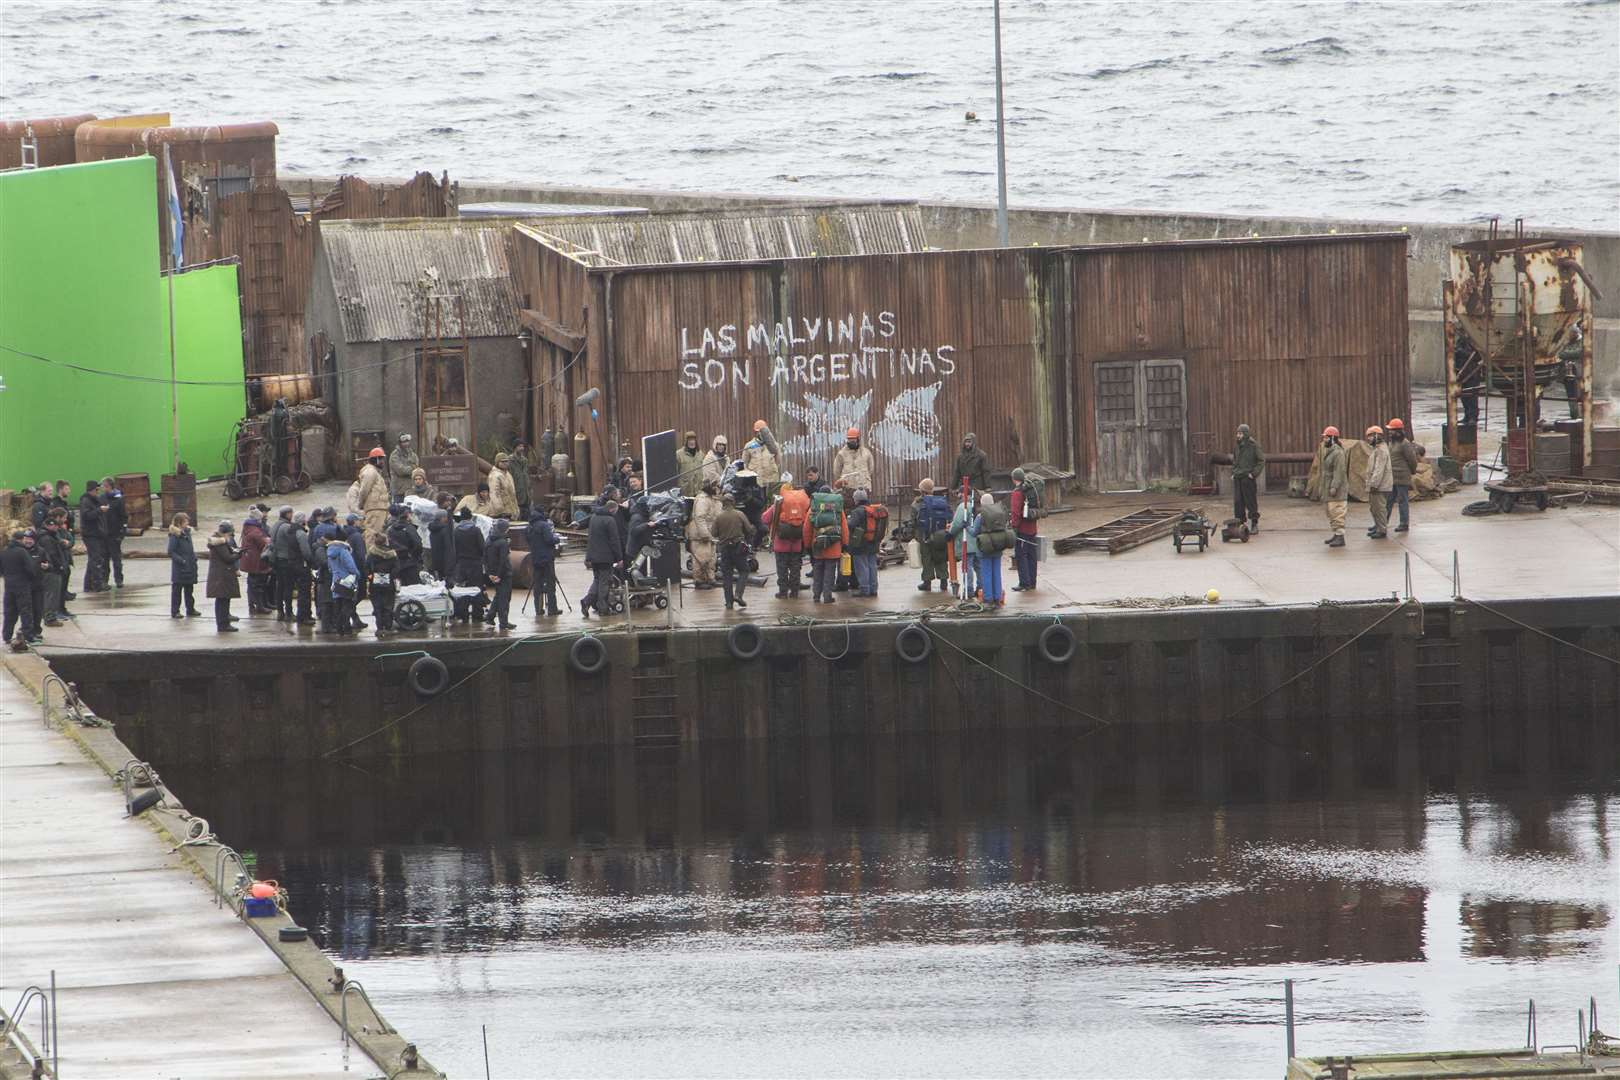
(826, 534)
(990, 536)
(868, 524)
(1025, 506)
(931, 522)
(786, 520)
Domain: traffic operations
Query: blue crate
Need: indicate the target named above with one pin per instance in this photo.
(258, 907)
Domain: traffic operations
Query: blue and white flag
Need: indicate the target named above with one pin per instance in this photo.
(177, 220)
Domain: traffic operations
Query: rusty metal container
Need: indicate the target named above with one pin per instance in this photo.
(137, 489)
(179, 496)
(53, 137)
(1503, 286)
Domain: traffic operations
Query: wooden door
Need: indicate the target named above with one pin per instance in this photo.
(1119, 427)
(1164, 421)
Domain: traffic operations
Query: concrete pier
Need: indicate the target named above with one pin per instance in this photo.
(152, 978)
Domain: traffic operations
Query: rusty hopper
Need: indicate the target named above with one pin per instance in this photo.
(1520, 302)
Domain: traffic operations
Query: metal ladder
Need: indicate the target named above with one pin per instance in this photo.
(653, 719)
(1438, 679)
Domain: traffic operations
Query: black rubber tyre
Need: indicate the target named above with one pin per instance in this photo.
(912, 644)
(745, 641)
(1177, 542)
(587, 655)
(428, 676)
(410, 615)
(661, 602)
(302, 483)
(1056, 644)
(284, 485)
(234, 490)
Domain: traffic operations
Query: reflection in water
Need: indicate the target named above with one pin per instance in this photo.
(945, 905)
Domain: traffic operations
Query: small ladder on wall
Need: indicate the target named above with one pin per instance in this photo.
(653, 719)
(1438, 678)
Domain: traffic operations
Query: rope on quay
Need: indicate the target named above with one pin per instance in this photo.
(1483, 606)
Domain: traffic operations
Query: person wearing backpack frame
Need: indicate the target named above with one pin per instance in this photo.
(931, 522)
(785, 520)
(1026, 513)
(961, 520)
(867, 524)
(991, 536)
(826, 532)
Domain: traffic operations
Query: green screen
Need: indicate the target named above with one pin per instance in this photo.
(207, 348)
(80, 289)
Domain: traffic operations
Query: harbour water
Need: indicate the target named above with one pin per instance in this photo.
(1389, 111)
(934, 906)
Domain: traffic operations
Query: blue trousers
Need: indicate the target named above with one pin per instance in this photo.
(990, 578)
(865, 567)
(1398, 500)
(1025, 548)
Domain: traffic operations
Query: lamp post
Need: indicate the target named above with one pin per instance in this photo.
(1001, 143)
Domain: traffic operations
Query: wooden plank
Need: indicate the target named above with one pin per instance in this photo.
(553, 332)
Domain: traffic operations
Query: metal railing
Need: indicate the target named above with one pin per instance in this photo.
(343, 1010)
(11, 1028)
(70, 701)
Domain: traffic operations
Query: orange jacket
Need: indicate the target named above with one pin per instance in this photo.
(836, 551)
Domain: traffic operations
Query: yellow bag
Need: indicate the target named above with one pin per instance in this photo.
(846, 565)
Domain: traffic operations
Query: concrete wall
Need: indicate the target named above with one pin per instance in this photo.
(972, 225)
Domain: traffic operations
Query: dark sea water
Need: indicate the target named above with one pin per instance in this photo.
(936, 906)
(1392, 111)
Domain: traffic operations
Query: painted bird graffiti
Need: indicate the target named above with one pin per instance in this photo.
(825, 420)
(909, 430)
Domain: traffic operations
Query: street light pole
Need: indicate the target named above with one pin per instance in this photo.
(1001, 144)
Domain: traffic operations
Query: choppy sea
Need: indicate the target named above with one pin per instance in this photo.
(1420, 111)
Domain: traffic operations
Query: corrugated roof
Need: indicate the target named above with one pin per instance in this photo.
(381, 271)
(784, 232)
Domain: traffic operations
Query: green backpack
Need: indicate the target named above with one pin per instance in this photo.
(825, 521)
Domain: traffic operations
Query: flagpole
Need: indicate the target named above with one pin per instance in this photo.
(174, 258)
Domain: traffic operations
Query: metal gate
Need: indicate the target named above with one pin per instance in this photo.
(1141, 424)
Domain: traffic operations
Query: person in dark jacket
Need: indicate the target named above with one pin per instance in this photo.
(732, 536)
(355, 537)
(1248, 463)
(440, 547)
(467, 543)
(863, 552)
(115, 522)
(64, 502)
(41, 507)
(255, 564)
(92, 527)
(283, 560)
(382, 567)
(813, 484)
(498, 573)
(222, 586)
(303, 570)
(604, 549)
(543, 544)
(52, 545)
(344, 578)
(972, 463)
(24, 572)
(1403, 462)
(182, 568)
(406, 543)
(322, 531)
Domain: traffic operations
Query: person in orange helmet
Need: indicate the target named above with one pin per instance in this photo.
(1403, 462)
(854, 466)
(1335, 480)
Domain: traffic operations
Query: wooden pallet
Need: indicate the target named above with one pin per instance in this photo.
(1124, 533)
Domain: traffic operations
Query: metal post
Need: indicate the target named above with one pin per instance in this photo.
(1527, 350)
(1530, 1026)
(56, 1051)
(1448, 329)
(1288, 1007)
(1456, 594)
(1001, 143)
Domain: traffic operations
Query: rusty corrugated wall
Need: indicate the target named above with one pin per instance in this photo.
(914, 349)
(275, 246)
(1287, 335)
(422, 196)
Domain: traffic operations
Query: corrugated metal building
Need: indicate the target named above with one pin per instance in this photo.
(421, 320)
(1109, 360)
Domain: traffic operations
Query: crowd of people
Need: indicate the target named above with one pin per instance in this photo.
(38, 562)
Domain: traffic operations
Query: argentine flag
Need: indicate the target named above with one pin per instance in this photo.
(177, 220)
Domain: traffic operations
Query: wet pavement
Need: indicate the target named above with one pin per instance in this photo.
(933, 906)
(1560, 552)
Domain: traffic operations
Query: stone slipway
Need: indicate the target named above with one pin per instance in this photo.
(152, 979)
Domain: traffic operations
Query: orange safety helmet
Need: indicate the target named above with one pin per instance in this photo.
(758, 424)
(1330, 430)
(1396, 425)
(377, 451)
(853, 433)
(1375, 430)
